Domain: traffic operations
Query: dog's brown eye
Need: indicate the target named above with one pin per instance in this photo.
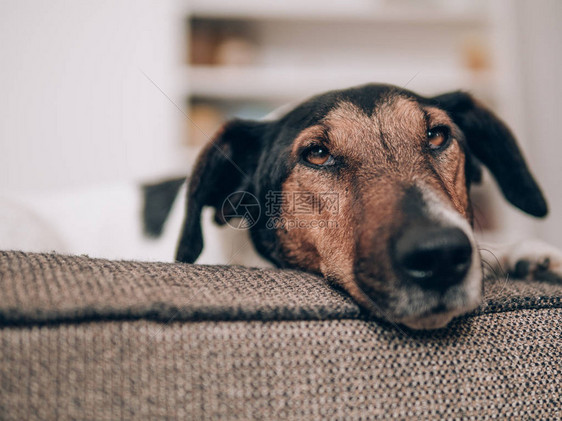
(438, 137)
(318, 155)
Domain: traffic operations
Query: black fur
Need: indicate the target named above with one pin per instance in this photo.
(226, 165)
(158, 199)
(255, 157)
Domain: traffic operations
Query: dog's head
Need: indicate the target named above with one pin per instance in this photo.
(374, 187)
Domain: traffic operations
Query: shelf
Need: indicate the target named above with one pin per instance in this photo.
(291, 83)
(338, 10)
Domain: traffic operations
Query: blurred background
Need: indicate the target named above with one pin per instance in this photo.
(96, 94)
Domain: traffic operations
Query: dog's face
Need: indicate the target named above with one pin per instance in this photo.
(375, 186)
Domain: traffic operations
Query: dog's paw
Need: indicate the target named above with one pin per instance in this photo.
(534, 260)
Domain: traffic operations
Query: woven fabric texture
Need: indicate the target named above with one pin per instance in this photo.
(92, 339)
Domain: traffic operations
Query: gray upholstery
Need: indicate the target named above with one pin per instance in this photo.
(84, 338)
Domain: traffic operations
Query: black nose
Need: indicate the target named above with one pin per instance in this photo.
(433, 257)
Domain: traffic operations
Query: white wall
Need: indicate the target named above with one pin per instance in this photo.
(75, 108)
(540, 38)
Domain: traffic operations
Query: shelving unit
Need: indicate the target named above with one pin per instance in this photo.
(302, 48)
(428, 12)
(292, 82)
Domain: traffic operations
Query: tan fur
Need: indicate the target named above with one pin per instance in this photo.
(453, 163)
(383, 153)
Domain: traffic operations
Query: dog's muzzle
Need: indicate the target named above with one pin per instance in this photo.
(431, 270)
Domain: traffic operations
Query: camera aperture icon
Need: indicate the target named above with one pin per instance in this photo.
(241, 210)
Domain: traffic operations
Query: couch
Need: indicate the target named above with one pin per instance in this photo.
(94, 339)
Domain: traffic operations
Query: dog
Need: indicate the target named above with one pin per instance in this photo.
(369, 187)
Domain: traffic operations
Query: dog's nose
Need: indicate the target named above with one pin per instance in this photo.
(433, 257)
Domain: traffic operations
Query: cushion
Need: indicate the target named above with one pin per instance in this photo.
(98, 339)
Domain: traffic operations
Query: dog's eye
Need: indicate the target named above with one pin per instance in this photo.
(438, 137)
(318, 155)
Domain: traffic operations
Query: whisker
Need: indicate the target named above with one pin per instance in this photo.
(477, 224)
(493, 270)
(498, 263)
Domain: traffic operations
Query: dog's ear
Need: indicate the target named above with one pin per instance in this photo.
(493, 144)
(225, 165)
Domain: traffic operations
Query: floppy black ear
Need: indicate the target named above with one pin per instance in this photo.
(493, 144)
(226, 165)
